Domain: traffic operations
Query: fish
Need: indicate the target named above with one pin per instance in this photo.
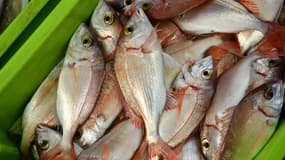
(139, 70)
(223, 59)
(248, 39)
(107, 27)
(118, 5)
(171, 69)
(254, 121)
(107, 108)
(188, 102)
(222, 16)
(41, 109)
(218, 117)
(10, 9)
(120, 143)
(266, 10)
(195, 49)
(141, 153)
(79, 85)
(47, 138)
(190, 150)
(163, 9)
(168, 33)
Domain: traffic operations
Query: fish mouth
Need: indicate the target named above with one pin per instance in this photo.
(133, 48)
(102, 38)
(262, 74)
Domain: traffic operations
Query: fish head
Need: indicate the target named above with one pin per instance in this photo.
(46, 139)
(268, 68)
(106, 25)
(211, 142)
(118, 4)
(83, 47)
(131, 6)
(200, 74)
(136, 31)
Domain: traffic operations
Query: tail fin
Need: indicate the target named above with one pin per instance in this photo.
(161, 149)
(59, 153)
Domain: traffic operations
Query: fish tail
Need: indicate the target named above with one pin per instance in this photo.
(59, 153)
(161, 149)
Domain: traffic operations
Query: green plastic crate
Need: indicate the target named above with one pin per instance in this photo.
(33, 44)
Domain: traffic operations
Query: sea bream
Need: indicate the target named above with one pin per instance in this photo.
(188, 102)
(120, 143)
(107, 27)
(79, 85)
(139, 70)
(254, 121)
(224, 16)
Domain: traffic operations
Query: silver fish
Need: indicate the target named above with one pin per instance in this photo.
(106, 25)
(107, 108)
(219, 16)
(254, 121)
(47, 138)
(193, 90)
(191, 149)
(41, 109)
(120, 143)
(139, 69)
(79, 85)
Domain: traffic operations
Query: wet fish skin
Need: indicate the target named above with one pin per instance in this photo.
(266, 10)
(120, 143)
(161, 10)
(191, 97)
(47, 138)
(107, 108)
(218, 117)
(41, 109)
(254, 121)
(106, 25)
(225, 17)
(191, 150)
(79, 86)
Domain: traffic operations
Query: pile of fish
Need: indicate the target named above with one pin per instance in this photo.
(9, 9)
(163, 79)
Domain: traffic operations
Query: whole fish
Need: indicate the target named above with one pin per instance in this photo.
(168, 33)
(139, 70)
(222, 16)
(40, 110)
(163, 9)
(106, 25)
(79, 84)
(190, 150)
(235, 83)
(254, 121)
(10, 9)
(47, 138)
(266, 10)
(107, 108)
(195, 49)
(188, 103)
(223, 59)
(120, 143)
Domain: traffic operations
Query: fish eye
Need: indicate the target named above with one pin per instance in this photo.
(205, 144)
(268, 93)
(87, 42)
(146, 6)
(127, 2)
(128, 30)
(206, 74)
(273, 63)
(43, 144)
(109, 18)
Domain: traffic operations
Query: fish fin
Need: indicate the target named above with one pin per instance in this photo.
(161, 149)
(59, 153)
(140, 153)
(253, 7)
(175, 99)
(136, 120)
(149, 42)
